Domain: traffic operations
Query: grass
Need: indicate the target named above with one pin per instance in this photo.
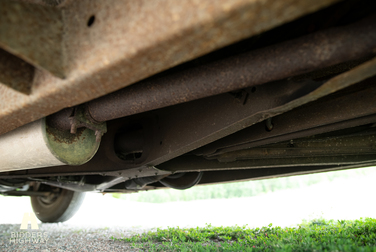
(317, 235)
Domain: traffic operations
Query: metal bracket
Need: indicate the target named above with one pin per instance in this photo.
(81, 118)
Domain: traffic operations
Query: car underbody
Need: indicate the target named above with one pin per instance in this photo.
(124, 96)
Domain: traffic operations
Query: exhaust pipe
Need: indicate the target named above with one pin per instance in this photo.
(37, 145)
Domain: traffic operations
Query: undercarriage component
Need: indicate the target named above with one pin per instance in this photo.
(340, 148)
(129, 41)
(18, 186)
(319, 50)
(140, 183)
(173, 131)
(347, 146)
(37, 145)
(347, 109)
(274, 100)
(238, 175)
(127, 96)
(27, 193)
(182, 181)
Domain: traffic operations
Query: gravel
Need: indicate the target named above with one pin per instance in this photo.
(61, 237)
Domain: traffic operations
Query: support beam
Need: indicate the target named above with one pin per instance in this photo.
(176, 130)
(33, 33)
(108, 45)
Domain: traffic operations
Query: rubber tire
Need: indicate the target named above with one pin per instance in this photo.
(62, 209)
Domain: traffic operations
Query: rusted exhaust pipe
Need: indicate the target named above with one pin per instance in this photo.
(36, 145)
(315, 51)
(291, 58)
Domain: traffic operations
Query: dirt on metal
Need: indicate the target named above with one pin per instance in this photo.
(124, 42)
(291, 58)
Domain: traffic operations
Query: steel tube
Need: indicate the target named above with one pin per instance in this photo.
(305, 54)
(25, 147)
(36, 145)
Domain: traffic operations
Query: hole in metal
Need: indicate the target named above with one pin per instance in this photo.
(91, 20)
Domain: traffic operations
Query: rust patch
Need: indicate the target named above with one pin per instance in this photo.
(34, 33)
(129, 41)
(305, 54)
(15, 72)
(64, 136)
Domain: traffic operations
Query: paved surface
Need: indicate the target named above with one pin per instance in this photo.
(101, 217)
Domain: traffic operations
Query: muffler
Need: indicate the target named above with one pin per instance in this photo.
(37, 145)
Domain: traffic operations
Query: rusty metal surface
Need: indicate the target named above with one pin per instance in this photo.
(175, 130)
(179, 129)
(55, 3)
(33, 33)
(61, 119)
(194, 164)
(290, 58)
(126, 42)
(274, 138)
(266, 173)
(356, 144)
(184, 128)
(15, 72)
(344, 110)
